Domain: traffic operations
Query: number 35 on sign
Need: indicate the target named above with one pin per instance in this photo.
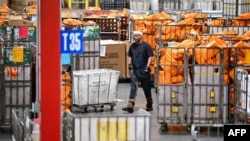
(72, 41)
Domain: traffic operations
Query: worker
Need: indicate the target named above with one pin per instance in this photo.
(139, 59)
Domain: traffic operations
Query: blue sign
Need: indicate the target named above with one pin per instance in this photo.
(72, 41)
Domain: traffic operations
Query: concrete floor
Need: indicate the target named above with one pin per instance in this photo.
(156, 133)
(122, 96)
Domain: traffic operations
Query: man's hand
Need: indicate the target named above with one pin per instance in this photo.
(130, 67)
(146, 70)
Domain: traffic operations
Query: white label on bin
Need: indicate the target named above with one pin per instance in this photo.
(102, 51)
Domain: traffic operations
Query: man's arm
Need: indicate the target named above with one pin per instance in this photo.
(129, 60)
(149, 61)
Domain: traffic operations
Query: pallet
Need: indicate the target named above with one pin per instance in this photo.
(174, 128)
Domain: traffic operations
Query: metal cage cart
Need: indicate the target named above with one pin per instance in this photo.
(204, 85)
(94, 88)
(209, 110)
(23, 126)
(17, 92)
(173, 85)
(242, 97)
(227, 26)
(232, 8)
(103, 126)
(225, 106)
(240, 109)
(17, 53)
(210, 89)
(173, 90)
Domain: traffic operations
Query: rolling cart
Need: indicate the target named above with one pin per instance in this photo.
(94, 88)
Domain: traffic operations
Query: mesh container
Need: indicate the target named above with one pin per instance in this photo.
(232, 8)
(114, 4)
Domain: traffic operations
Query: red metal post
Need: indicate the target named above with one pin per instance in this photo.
(50, 68)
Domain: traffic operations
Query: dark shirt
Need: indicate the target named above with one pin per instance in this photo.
(139, 54)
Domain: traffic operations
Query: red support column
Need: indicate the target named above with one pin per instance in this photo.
(50, 68)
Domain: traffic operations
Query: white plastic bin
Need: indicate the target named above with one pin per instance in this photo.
(203, 4)
(96, 86)
(140, 5)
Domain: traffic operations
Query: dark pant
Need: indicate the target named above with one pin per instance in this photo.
(144, 79)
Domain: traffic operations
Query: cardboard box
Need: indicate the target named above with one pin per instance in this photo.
(114, 57)
(18, 22)
(128, 73)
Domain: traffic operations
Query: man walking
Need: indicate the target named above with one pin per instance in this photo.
(140, 55)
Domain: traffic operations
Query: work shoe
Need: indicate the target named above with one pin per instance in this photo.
(128, 109)
(149, 105)
(149, 109)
